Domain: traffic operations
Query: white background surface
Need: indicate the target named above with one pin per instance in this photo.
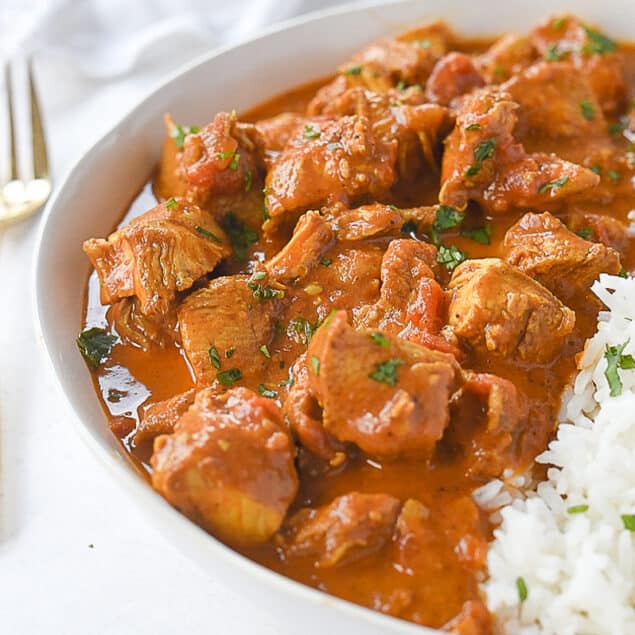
(56, 499)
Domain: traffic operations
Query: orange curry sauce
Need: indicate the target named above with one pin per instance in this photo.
(131, 379)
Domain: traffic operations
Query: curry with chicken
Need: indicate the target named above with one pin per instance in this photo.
(352, 306)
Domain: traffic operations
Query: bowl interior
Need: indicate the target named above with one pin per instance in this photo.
(102, 184)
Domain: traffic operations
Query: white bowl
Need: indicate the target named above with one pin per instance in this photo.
(102, 183)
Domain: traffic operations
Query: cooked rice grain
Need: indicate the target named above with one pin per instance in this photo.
(578, 564)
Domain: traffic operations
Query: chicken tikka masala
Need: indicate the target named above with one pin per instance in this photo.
(355, 304)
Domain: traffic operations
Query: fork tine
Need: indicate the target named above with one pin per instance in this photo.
(13, 160)
(38, 140)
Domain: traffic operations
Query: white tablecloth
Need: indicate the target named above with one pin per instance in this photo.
(76, 556)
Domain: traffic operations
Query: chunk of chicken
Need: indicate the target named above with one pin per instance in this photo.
(275, 132)
(592, 55)
(543, 248)
(221, 158)
(312, 237)
(558, 112)
(482, 161)
(507, 56)
(157, 254)
(143, 331)
(453, 76)
(344, 531)
(228, 466)
(498, 309)
(337, 160)
(304, 415)
(235, 316)
(388, 396)
(603, 229)
(365, 221)
(161, 416)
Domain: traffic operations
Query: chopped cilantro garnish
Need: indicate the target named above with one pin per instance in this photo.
(473, 126)
(178, 133)
(409, 227)
(629, 521)
(302, 327)
(553, 185)
(265, 351)
(447, 218)
(450, 256)
(325, 262)
(214, 357)
(596, 168)
(386, 372)
(622, 273)
(617, 127)
(615, 359)
(613, 175)
(585, 232)
(586, 107)
(259, 275)
(380, 339)
(262, 292)
(234, 156)
(521, 587)
(598, 42)
(557, 24)
(267, 392)
(208, 234)
(315, 365)
(577, 509)
(401, 85)
(248, 179)
(353, 70)
(554, 54)
(171, 203)
(482, 235)
(484, 150)
(229, 377)
(310, 132)
(95, 344)
(240, 235)
(230, 352)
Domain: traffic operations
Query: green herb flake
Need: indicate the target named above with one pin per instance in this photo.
(303, 328)
(622, 273)
(353, 70)
(115, 396)
(482, 235)
(554, 54)
(214, 357)
(178, 133)
(598, 42)
(259, 275)
(447, 218)
(629, 521)
(499, 71)
(596, 168)
(485, 149)
(240, 235)
(615, 359)
(229, 353)
(577, 509)
(450, 256)
(473, 126)
(315, 365)
(95, 344)
(557, 24)
(553, 185)
(229, 377)
(234, 156)
(310, 132)
(208, 234)
(386, 372)
(380, 339)
(585, 232)
(473, 170)
(587, 110)
(617, 127)
(409, 227)
(265, 351)
(267, 392)
(614, 176)
(326, 262)
(263, 292)
(521, 587)
(171, 203)
(401, 85)
(248, 180)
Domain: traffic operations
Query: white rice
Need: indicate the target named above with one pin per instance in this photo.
(578, 568)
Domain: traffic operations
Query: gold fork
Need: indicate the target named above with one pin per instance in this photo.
(20, 198)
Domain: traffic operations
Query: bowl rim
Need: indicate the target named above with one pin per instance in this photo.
(155, 505)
